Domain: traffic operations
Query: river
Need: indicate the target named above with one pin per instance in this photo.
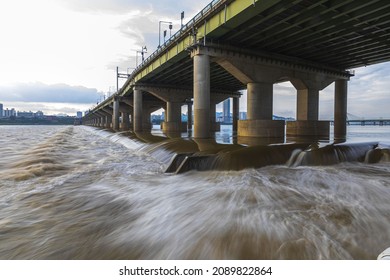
(76, 192)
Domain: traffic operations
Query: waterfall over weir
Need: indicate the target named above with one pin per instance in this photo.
(208, 155)
(84, 193)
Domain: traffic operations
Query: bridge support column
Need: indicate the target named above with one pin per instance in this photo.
(236, 113)
(307, 123)
(340, 110)
(173, 118)
(115, 115)
(259, 113)
(201, 96)
(137, 118)
(146, 121)
(260, 100)
(214, 125)
(173, 99)
(108, 112)
(307, 104)
(125, 124)
(108, 121)
(189, 116)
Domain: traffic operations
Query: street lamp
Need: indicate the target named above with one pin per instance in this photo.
(142, 52)
(120, 75)
(159, 31)
(181, 20)
(165, 34)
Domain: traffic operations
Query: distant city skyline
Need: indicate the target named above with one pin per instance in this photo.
(69, 66)
(6, 111)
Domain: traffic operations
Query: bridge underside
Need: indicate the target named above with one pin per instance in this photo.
(343, 34)
(252, 45)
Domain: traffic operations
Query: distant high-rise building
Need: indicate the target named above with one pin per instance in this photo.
(9, 113)
(226, 111)
(79, 115)
(1, 110)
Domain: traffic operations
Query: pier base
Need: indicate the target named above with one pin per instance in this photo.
(308, 128)
(173, 127)
(261, 128)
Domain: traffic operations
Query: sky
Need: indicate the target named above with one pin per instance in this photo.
(60, 56)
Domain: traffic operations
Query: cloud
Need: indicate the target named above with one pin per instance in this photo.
(39, 92)
(161, 7)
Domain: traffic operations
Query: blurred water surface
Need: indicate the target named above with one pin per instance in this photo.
(83, 193)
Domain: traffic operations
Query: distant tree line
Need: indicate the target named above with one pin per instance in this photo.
(37, 121)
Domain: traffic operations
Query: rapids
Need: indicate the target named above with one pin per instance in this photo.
(83, 193)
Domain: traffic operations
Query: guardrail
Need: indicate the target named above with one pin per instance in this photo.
(184, 30)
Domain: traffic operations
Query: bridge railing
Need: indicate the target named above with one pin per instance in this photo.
(183, 30)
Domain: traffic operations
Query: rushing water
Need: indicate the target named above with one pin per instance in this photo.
(83, 193)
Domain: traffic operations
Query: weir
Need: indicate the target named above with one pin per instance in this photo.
(222, 51)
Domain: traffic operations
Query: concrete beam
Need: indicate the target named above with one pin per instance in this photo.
(166, 93)
(107, 110)
(248, 66)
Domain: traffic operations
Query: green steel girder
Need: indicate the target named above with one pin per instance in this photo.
(337, 33)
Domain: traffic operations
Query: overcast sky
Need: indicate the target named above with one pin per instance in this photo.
(59, 56)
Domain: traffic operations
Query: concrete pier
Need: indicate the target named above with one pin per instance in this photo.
(340, 109)
(214, 126)
(146, 122)
(261, 128)
(115, 116)
(137, 107)
(236, 113)
(308, 128)
(189, 116)
(307, 104)
(173, 118)
(125, 124)
(307, 123)
(201, 96)
(108, 121)
(259, 114)
(259, 101)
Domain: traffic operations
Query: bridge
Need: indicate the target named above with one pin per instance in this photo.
(233, 45)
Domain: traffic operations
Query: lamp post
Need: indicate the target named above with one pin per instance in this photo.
(159, 30)
(142, 52)
(120, 75)
(181, 19)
